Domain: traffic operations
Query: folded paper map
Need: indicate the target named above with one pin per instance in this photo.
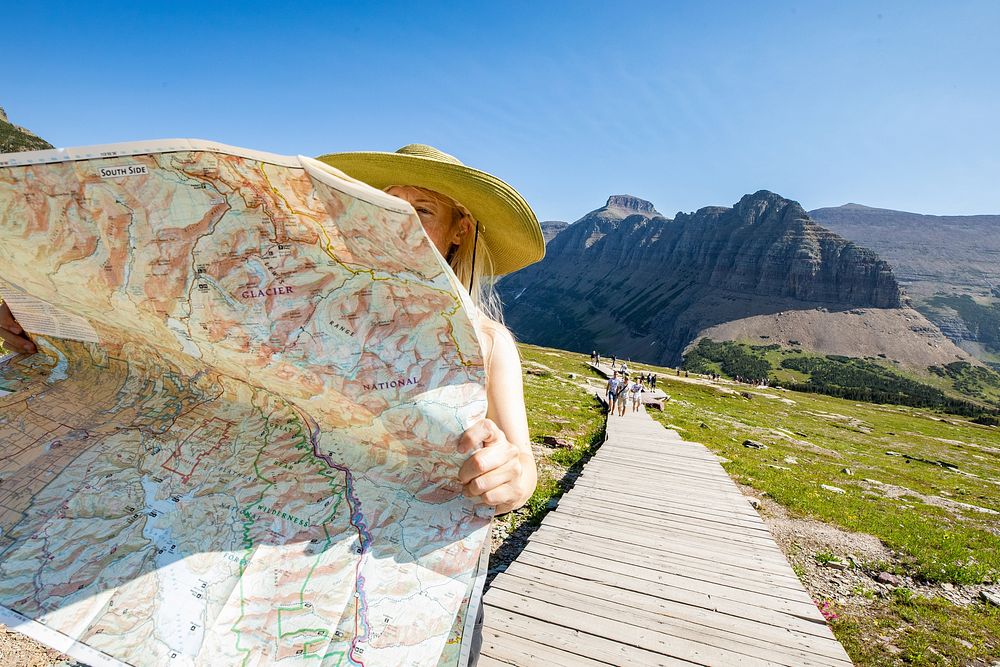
(236, 444)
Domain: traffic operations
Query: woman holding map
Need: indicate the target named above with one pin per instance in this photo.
(483, 228)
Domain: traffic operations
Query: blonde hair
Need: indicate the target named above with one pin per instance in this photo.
(470, 261)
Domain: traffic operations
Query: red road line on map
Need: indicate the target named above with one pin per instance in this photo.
(198, 458)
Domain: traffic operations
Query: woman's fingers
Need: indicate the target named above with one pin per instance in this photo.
(494, 473)
(495, 478)
(12, 333)
(483, 433)
(486, 460)
(7, 320)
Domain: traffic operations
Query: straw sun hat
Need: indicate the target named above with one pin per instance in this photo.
(507, 225)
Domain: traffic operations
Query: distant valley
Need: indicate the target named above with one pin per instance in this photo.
(949, 266)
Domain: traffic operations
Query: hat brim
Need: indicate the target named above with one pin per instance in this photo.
(508, 226)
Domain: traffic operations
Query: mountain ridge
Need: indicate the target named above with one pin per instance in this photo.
(647, 286)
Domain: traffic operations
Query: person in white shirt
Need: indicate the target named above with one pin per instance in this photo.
(636, 392)
(613, 391)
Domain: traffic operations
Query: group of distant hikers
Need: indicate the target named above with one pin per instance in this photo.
(624, 387)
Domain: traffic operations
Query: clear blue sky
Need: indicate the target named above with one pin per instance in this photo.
(686, 104)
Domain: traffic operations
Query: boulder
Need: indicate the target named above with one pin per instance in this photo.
(888, 579)
(553, 441)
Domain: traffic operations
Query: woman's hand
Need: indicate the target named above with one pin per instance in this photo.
(12, 334)
(497, 473)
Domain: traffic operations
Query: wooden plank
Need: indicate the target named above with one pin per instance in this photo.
(776, 626)
(681, 545)
(653, 469)
(738, 577)
(668, 536)
(665, 500)
(661, 461)
(710, 593)
(618, 630)
(690, 529)
(519, 651)
(675, 555)
(671, 479)
(677, 510)
(658, 466)
(675, 627)
(678, 572)
(697, 525)
(655, 442)
(643, 472)
(668, 492)
(570, 639)
(665, 478)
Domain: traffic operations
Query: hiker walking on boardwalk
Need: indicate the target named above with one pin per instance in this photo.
(652, 381)
(623, 395)
(614, 361)
(636, 392)
(613, 390)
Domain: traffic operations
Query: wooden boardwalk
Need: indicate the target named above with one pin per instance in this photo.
(653, 558)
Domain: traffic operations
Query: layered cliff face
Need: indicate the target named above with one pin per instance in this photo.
(624, 278)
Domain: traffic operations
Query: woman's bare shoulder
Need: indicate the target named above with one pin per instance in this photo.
(497, 339)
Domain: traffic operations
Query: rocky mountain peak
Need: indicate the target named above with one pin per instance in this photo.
(646, 285)
(764, 204)
(3, 115)
(630, 203)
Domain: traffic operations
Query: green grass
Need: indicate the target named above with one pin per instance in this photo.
(13, 139)
(959, 388)
(556, 407)
(825, 435)
(923, 631)
(976, 381)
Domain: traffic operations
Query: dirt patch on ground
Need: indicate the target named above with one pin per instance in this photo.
(16, 650)
(898, 333)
